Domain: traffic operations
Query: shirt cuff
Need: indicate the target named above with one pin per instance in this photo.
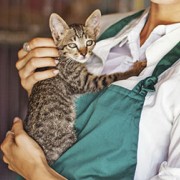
(167, 173)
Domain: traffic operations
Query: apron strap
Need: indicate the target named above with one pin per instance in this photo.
(118, 26)
(167, 61)
(147, 85)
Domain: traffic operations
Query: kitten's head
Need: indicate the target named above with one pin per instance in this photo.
(75, 41)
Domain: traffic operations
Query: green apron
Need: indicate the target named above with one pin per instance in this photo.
(108, 125)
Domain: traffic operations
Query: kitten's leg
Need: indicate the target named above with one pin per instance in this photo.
(94, 83)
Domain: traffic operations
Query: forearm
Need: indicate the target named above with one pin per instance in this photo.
(44, 172)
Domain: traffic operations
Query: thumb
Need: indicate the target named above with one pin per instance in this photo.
(17, 127)
(8, 141)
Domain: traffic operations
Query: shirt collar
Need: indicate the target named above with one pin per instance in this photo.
(165, 29)
(103, 47)
(160, 30)
(108, 43)
(135, 29)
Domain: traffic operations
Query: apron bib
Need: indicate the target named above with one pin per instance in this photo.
(107, 126)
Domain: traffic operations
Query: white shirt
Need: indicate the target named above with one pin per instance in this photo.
(159, 132)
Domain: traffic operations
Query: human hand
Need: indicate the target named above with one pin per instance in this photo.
(42, 54)
(21, 153)
(24, 156)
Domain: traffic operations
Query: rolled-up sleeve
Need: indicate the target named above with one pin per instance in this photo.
(170, 170)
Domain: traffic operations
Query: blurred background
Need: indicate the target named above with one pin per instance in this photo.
(20, 21)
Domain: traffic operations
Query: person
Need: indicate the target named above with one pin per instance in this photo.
(153, 35)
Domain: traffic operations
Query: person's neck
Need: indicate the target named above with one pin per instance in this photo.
(158, 15)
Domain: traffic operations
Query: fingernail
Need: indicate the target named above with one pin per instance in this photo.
(56, 72)
(9, 132)
(56, 61)
(16, 119)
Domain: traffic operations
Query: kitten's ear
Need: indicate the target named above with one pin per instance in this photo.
(93, 21)
(58, 27)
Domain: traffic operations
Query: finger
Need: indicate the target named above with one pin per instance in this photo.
(39, 76)
(37, 53)
(41, 42)
(17, 127)
(8, 141)
(22, 53)
(37, 42)
(8, 162)
(29, 82)
(10, 168)
(35, 63)
(9, 133)
(5, 160)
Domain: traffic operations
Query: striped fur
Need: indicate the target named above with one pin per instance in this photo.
(51, 110)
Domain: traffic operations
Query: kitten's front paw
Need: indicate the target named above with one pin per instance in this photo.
(138, 66)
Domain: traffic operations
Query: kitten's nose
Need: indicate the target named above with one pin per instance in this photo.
(83, 51)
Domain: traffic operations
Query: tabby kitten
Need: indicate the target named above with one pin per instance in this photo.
(51, 110)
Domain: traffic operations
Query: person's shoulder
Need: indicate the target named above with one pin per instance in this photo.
(109, 19)
(175, 70)
(172, 75)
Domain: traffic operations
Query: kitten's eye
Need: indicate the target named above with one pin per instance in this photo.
(72, 45)
(89, 42)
